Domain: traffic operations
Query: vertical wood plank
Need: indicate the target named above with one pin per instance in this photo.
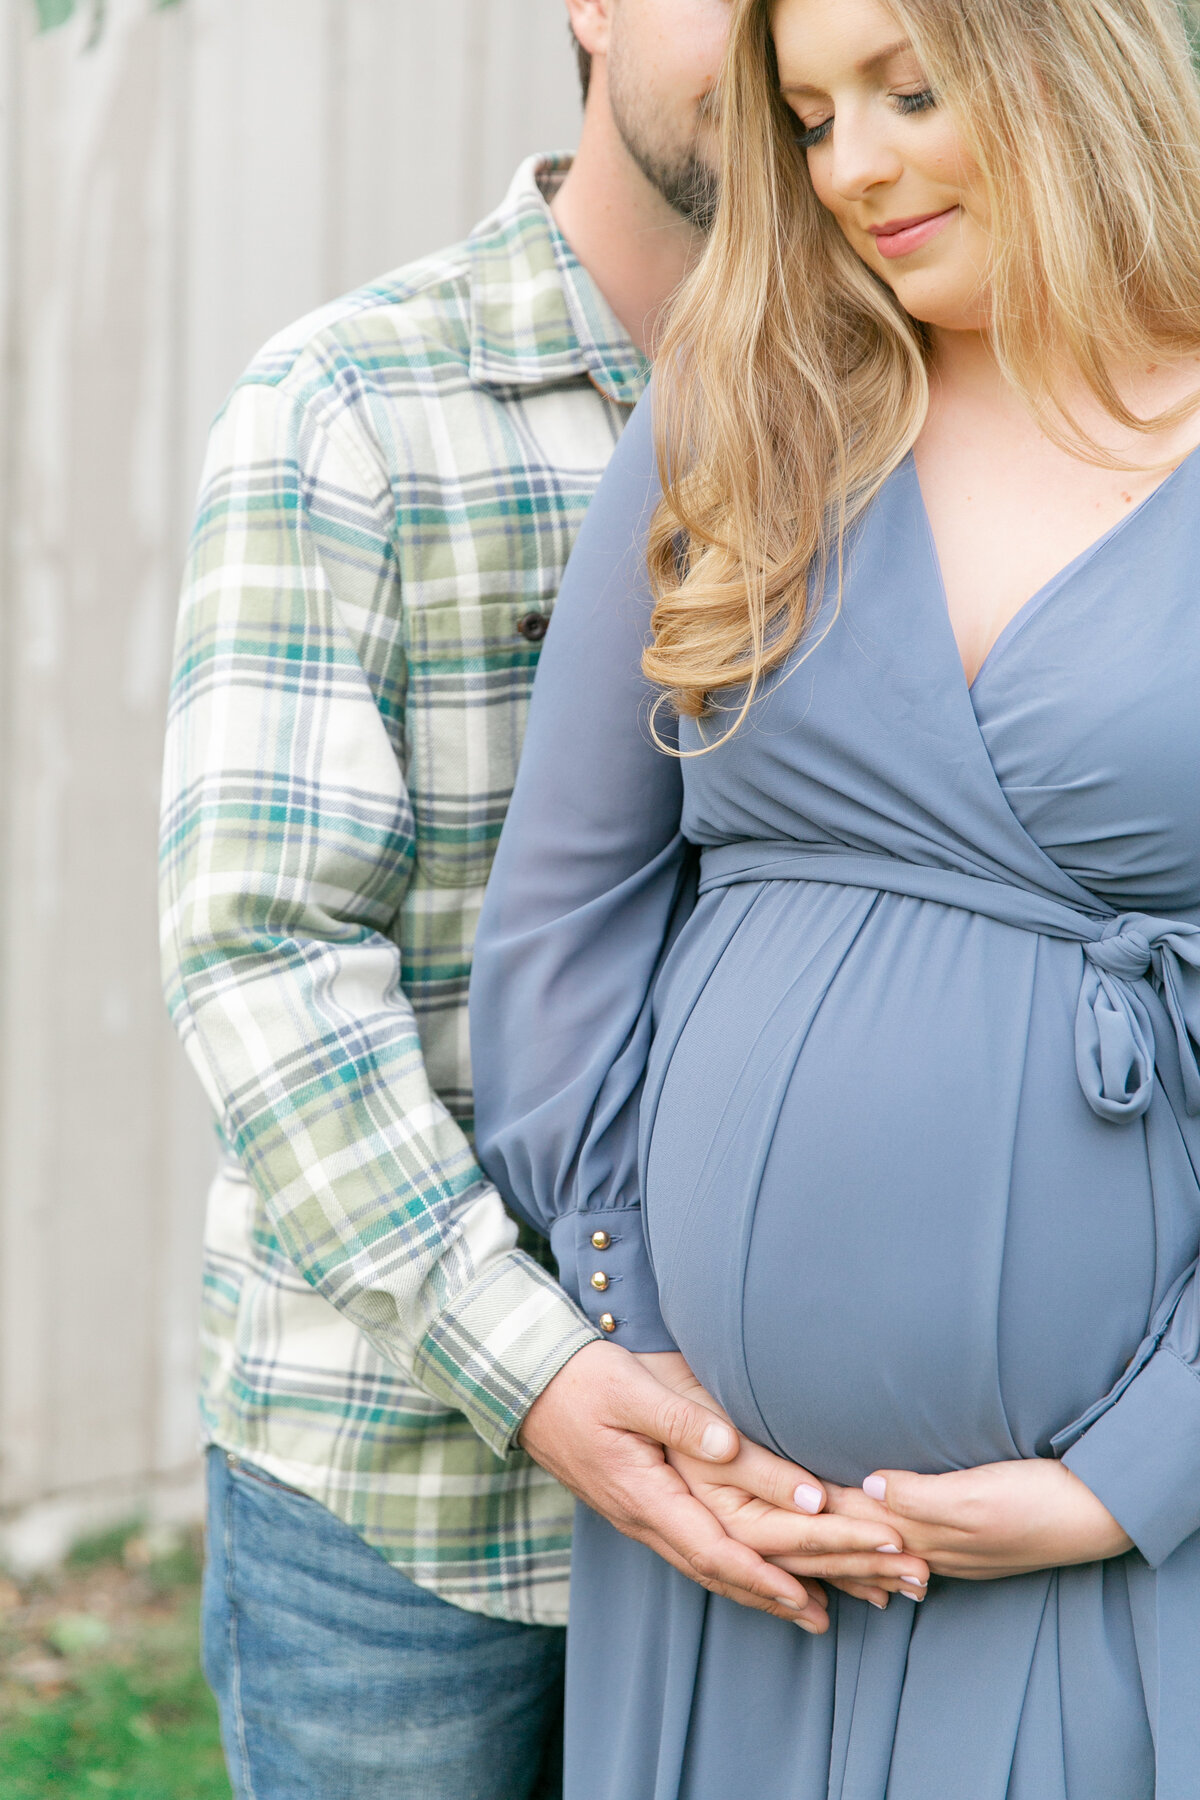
(97, 551)
(530, 89)
(168, 200)
(406, 184)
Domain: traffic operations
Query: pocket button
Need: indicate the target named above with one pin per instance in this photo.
(533, 626)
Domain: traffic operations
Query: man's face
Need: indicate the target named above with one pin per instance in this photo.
(663, 60)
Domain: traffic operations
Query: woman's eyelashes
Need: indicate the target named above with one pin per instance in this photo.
(915, 103)
(812, 135)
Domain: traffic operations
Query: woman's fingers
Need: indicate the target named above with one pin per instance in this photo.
(859, 1590)
(773, 1479)
(892, 1574)
(929, 1499)
(772, 1532)
(775, 1530)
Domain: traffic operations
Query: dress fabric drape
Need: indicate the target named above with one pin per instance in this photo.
(894, 1113)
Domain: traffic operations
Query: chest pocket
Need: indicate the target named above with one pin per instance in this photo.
(470, 670)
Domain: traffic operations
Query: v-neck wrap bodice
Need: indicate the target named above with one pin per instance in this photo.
(1114, 1030)
(866, 1039)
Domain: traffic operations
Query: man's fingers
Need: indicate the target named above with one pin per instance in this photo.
(642, 1403)
(811, 1614)
(702, 1550)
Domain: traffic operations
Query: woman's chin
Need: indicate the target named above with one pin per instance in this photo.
(933, 300)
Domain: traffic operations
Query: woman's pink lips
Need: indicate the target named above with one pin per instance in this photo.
(902, 236)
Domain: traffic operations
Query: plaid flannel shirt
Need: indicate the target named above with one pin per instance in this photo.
(389, 499)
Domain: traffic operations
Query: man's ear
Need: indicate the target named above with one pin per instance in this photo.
(590, 21)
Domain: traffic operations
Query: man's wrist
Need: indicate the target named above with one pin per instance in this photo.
(495, 1349)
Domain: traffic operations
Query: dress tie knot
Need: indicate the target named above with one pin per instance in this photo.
(1123, 950)
(1114, 1027)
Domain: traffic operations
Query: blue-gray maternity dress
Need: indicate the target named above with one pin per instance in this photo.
(891, 1126)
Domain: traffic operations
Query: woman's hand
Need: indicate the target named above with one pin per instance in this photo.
(776, 1508)
(1003, 1518)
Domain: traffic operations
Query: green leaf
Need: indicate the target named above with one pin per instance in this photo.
(53, 12)
(56, 12)
(74, 1634)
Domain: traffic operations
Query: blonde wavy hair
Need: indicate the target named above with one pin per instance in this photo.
(791, 382)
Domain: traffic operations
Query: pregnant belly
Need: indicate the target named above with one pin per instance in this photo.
(887, 1228)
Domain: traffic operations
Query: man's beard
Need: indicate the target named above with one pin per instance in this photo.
(687, 184)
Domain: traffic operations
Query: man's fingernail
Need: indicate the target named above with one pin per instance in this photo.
(889, 1549)
(808, 1499)
(805, 1626)
(786, 1600)
(875, 1487)
(717, 1441)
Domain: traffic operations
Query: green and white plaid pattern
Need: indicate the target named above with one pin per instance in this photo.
(391, 490)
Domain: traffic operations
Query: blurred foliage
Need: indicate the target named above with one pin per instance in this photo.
(57, 12)
(100, 1684)
(138, 1731)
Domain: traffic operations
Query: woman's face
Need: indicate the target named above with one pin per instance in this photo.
(884, 157)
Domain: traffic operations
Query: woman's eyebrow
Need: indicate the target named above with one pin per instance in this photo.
(868, 66)
(871, 63)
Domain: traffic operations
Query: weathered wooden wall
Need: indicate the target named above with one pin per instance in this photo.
(168, 198)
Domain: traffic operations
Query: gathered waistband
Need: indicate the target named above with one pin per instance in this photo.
(1114, 1033)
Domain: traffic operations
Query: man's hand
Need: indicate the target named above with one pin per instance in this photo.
(601, 1426)
(1000, 1519)
(774, 1507)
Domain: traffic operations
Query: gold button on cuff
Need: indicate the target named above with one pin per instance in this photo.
(600, 1280)
(607, 1322)
(600, 1240)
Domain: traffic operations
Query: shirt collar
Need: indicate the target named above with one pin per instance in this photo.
(537, 317)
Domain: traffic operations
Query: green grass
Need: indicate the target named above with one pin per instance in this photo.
(131, 1717)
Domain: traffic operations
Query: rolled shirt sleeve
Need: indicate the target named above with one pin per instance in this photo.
(591, 880)
(287, 846)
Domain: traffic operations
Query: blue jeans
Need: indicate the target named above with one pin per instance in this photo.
(339, 1679)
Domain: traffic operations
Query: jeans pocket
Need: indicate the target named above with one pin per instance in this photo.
(239, 1470)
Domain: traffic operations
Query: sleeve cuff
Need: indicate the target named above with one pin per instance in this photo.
(502, 1341)
(604, 1265)
(1141, 1457)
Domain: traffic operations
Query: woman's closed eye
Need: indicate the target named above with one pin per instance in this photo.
(907, 104)
(921, 101)
(811, 135)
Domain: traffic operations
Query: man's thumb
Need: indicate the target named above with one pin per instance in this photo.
(684, 1425)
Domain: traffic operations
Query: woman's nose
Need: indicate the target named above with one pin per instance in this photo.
(862, 159)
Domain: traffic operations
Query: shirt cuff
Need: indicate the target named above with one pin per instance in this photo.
(1141, 1458)
(603, 1263)
(499, 1344)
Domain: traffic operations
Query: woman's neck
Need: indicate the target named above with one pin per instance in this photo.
(965, 375)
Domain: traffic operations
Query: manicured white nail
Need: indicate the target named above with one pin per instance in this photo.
(909, 1595)
(889, 1549)
(880, 1605)
(808, 1499)
(716, 1442)
(913, 1581)
(875, 1487)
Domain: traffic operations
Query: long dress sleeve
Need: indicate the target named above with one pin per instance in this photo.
(591, 879)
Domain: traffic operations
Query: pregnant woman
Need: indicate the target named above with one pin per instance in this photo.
(838, 993)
